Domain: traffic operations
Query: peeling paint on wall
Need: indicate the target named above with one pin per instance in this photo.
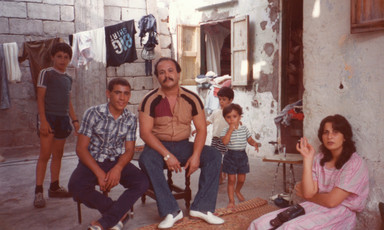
(269, 82)
(263, 24)
(269, 48)
(274, 10)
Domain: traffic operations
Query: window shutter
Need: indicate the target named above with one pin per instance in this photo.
(239, 51)
(367, 15)
(188, 53)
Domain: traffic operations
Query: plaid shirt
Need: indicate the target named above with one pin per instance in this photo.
(107, 135)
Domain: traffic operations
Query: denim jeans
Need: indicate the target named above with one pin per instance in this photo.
(152, 163)
(82, 187)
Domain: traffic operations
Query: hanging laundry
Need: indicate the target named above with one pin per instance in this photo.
(39, 55)
(98, 45)
(147, 26)
(81, 49)
(88, 46)
(13, 69)
(120, 43)
(5, 101)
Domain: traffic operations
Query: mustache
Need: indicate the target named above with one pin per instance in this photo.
(167, 78)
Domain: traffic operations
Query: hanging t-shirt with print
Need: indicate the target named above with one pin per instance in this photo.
(120, 43)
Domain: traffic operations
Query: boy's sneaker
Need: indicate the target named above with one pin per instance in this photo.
(39, 201)
(59, 193)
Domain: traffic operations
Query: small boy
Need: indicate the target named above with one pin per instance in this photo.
(54, 109)
(235, 162)
(225, 95)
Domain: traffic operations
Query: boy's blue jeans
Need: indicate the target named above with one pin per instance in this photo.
(152, 163)
(82, 187)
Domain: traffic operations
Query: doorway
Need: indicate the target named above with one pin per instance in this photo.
(216, 47)
(292, 70)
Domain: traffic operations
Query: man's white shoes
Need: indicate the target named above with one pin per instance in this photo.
(169, 220)
(209, 217)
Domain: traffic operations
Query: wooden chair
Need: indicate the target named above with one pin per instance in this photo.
(79, 208)
(177, 192)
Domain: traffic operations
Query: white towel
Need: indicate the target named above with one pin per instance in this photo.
(12, 64)
(98, 46)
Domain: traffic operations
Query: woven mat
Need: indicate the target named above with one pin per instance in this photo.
(237, 218)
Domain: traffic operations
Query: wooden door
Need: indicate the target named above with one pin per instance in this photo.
(292, 69)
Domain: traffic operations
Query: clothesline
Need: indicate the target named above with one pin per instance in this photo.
(111, 45)
(87, 46)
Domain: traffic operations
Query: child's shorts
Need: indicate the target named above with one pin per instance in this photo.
(60, 125)
(236, 162)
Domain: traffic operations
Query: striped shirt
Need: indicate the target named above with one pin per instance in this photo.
(170, 126)
(239, 138)
(58, 89)
(107, 135)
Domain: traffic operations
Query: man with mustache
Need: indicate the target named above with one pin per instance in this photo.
(165, 116)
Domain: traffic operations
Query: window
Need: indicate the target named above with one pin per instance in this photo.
(230, 58)
(367, 15)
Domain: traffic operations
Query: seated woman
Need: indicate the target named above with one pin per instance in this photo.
(334, 182)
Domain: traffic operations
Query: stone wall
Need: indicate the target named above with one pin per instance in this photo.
(31, 20)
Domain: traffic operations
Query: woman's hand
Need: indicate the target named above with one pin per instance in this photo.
(305, 149)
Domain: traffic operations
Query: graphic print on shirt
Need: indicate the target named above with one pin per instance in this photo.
(120, 43)
(121, 40)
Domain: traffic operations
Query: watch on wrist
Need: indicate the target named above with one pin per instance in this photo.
(167, 157)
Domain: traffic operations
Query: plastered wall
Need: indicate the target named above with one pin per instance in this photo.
(344, 74)
(260, 99)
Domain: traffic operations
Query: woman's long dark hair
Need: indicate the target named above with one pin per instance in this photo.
(340, 124)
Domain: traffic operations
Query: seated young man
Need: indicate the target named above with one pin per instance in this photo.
(105, 148)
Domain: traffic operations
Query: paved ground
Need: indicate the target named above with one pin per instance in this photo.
(17, 184)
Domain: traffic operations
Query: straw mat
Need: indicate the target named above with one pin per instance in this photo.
(237, 218)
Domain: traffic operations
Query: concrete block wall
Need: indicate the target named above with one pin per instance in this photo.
(30, 20)
(22, 21)
(116, 12)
